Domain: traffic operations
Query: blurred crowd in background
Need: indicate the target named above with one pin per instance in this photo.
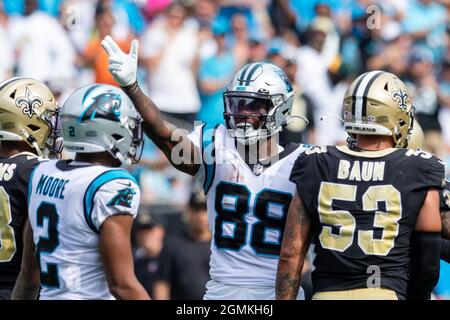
(190, 49)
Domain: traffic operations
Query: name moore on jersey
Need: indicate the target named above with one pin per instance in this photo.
(68, 202)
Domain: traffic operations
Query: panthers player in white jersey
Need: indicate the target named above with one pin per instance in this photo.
(81, 211)
(244, 171)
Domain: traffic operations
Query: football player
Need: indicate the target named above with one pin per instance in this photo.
(28, 116)
(244, 171)
(417, 142)
(81, 211)
(371, 210)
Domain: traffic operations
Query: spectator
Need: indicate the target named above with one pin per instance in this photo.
(170, 50)
(205, 13)
(238, 39)
(153, 8)
(7, 62)
(51, 7)
(425, 22)
(78, 19)
(257, 47)
(44, 50)
(149, 234)
(184, 264)
(312, 63)
(159, 181)
(298, 130)
(14, 7)
(128, 17)
(392, 54)
(444, 95)
(313, 77)
(282, 16)
(94, 55)
(424, 90)
(214, 75)
(230, 8)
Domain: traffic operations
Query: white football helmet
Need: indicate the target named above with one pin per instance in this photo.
(257, 102)
(99, 118)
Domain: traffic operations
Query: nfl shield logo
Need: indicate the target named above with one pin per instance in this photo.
(258, 169)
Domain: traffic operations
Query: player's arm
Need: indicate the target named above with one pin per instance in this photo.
(161, 290)
(425, 249)
(28, 283)
(294, 247)
(117, 258)
(166, 136)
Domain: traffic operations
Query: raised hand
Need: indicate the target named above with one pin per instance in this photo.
(122, 66)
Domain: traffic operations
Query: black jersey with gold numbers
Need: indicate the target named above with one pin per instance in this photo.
(363, 207)
(14, 176)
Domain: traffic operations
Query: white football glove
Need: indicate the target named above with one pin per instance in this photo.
(122, 66)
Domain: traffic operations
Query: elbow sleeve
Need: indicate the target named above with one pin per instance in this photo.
(424, 264)
(445, 250)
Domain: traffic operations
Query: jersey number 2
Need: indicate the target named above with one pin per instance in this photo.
(232, 203)
(46, 245)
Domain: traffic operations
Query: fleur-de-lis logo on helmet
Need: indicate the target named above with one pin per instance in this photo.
(402, 98)
(29, 103)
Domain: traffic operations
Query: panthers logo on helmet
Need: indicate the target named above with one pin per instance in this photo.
(29, 103)
(402, 99)
(286, 80)
(105, 106)
(123, 198)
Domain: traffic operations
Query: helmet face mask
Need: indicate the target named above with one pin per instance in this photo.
(248, 116)
(55, 143)
(101, 118)
(259, 106)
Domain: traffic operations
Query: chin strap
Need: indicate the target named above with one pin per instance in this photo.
(31, 140)
(119, 156)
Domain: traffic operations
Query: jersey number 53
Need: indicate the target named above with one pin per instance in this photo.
(345, 221)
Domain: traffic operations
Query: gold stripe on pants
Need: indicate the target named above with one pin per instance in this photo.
(357, 294)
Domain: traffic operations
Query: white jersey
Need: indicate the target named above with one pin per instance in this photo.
(68, 202)
(247, 211)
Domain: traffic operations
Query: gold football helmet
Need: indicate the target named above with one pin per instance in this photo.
(378, 103)
(416, 137)
(28, 112)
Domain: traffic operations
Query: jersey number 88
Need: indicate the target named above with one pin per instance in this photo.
(235, 217)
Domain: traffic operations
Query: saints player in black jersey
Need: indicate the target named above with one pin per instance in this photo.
(417, 142)
(372, 210)
(28, 113)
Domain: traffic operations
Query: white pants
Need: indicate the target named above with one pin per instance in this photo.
(219, 291)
